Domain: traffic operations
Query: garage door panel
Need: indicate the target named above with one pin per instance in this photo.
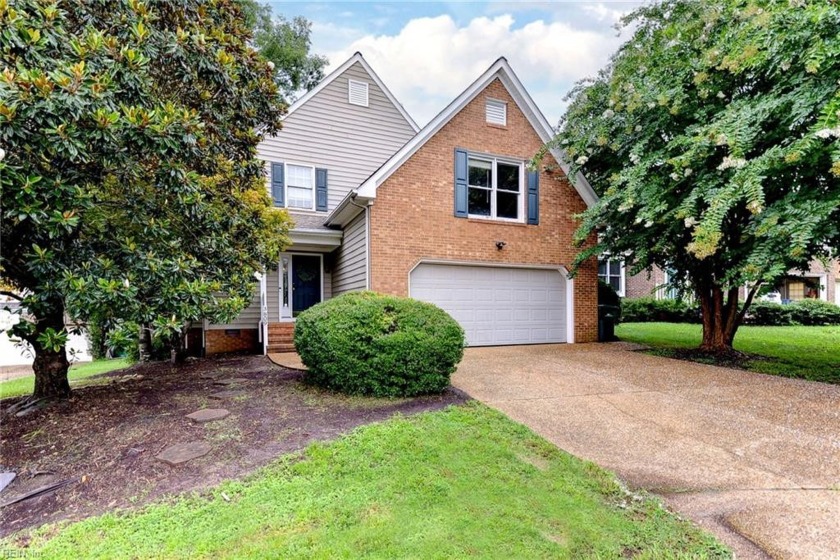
(497, 305)
(503, 315)
(523, 315)
(484, 315)
(521, 295)
(539, 315)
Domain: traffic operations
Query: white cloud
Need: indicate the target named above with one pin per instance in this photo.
(605, 13)
(431, 60)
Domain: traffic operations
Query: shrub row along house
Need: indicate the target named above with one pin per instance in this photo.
(451, 214)
(820, 282)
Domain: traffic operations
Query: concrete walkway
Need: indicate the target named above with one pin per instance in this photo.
(753, 458)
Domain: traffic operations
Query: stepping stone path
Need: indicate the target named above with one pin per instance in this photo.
(6, 478)
(229, 381)
(208, 414)
(228, 394)
(182, 452)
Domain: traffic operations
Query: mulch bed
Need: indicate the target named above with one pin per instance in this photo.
(733, 359)
(104, 439)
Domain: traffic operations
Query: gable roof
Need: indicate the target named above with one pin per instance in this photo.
(500, 69)
(338, 72)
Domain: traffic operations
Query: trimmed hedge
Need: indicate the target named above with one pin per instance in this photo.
(364, 343)
(761, 313)
(809, 312)
(650, 309)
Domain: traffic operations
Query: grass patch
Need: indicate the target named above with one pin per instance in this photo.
(447, 484)
(25, 385)
(811, 353)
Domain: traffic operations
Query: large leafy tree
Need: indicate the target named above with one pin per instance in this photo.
(130, 183)
(286, 44)
(713, 138)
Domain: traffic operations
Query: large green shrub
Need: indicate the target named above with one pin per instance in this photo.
(365, 343)
(769, 314)
(649, 309)
(805, 312)
(816, 312)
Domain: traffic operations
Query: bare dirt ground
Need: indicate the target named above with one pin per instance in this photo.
(103, 441)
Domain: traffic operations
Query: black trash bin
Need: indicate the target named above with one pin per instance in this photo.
(607, 318)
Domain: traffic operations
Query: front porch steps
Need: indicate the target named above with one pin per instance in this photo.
(281, 337)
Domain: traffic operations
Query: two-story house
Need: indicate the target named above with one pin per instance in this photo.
(452, 214)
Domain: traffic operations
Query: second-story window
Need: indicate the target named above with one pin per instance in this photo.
(495, 189)
(300, 186)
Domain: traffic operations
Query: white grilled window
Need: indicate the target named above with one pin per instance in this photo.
(496, 112)
(299, 186)
(357, 93)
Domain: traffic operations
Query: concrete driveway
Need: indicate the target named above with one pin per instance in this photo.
(753, 458)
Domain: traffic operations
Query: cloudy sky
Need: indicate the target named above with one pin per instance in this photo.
(428, 52)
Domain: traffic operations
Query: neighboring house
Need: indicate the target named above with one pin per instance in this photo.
(819, 282)
(16, 355)
(449, 214)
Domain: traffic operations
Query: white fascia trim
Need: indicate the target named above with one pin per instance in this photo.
(317, 237)
(349, 207)
(357, 57)
(502, 70)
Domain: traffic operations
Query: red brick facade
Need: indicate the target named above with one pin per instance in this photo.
(412, 218)
(219, 341)
(644, 284)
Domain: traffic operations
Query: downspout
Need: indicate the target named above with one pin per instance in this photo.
(366, 210)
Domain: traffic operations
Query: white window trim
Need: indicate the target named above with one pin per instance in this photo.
(366, 85)
(498, 102)
(622, 276)
(286, 185)
(493, 160)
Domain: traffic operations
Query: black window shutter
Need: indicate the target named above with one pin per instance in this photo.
(461, 173)
(277, 183)
(321, 190)
(533, 197)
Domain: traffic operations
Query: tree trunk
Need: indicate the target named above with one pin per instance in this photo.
(721, 318)
(144, 342)
(178, 345)
(50, 366)
(51, 374)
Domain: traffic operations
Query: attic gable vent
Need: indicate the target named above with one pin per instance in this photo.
(496, 112)
(357, 93)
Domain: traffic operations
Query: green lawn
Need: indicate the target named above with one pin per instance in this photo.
(803, 352)
(25, 385)
(463, 482)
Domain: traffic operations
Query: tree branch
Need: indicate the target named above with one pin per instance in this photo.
(11, 295)
(748, 302)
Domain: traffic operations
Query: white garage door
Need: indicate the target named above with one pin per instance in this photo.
(497, 305)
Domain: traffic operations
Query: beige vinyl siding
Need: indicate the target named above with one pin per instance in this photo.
(248, 319)
(328, 291)
(350, 141)
(272, 294)
(350, 272)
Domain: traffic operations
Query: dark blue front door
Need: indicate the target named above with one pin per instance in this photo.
(306, 282)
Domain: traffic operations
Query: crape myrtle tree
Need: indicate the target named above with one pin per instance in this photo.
(713, 139)
(130, 187)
